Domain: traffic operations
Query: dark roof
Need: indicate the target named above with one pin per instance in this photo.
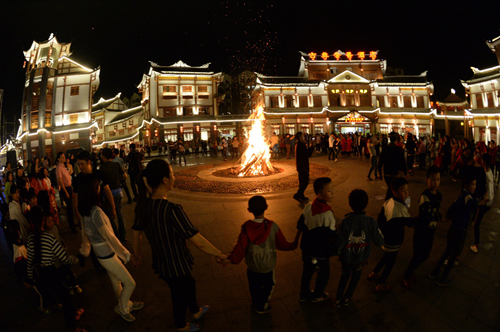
(483, 74)
(287, 80)
(402, 79)
(125, 115)
(453, 98)
(104, 104)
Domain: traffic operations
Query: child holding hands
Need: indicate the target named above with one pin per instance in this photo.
(258, 243)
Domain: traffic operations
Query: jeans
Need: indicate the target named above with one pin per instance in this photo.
(122, 282)
(322, 268)
(261, 288)
(122, 233)
(373, 160)
(125, 189)
(183, 295)
(387, 262)
(182, 154)
(348, 272)
(331, 154)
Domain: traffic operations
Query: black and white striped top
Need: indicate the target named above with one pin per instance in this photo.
(167, 228)
(51, 248)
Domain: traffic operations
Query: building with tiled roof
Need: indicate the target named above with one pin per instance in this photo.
(483, 90)
(57, 101)
(346, 92)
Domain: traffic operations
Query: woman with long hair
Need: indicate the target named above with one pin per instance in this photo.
(44, 184)
(97, 231)
(43, 248)
(167, 228)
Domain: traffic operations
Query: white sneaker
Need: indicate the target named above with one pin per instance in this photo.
(136, 306)
(128, 317)
(473, 248)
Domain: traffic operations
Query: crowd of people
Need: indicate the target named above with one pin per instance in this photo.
(91, 191)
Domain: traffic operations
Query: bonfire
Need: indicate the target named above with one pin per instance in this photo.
(256, 160)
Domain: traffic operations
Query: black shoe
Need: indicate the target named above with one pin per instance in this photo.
(434, 274)
(444, 283)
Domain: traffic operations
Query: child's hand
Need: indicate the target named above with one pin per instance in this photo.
(225, 262)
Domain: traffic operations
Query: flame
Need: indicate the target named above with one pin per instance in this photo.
(256, 160)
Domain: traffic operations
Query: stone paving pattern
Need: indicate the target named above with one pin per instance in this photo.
(470, 303)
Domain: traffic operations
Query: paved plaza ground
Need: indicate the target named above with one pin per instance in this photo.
(470, 303)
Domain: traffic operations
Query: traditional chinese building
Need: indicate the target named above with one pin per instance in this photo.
(457, 120)
(57, 100)
(118, 124)
(182, 102)
(346, 93)
(483, 92)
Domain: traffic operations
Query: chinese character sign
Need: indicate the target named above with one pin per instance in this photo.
(361, 55)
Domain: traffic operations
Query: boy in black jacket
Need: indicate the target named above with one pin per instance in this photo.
(353, 244)
(392, 220)
(460, 213)
(425, 224)
(317, 224)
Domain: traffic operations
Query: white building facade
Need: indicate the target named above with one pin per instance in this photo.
(346, 93)
(57, 101)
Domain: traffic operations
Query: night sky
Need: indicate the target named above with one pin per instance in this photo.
(444, 37)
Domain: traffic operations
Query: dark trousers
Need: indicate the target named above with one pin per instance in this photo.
(481, 211)
(183, 295)
(322, 268)
(69, 206)
(410, 159)
(387, 262)
(373, 161)
(348, 272)
(261, 288)
(331, 153)
(66, 275)
(454, 245)
(50, 286)
(422, 245)
(133, 179)
(303, 182)
(388, 180)
(421, 160)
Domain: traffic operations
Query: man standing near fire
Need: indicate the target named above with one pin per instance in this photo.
(302, 154)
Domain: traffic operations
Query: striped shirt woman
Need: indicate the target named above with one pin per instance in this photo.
(50, 249)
